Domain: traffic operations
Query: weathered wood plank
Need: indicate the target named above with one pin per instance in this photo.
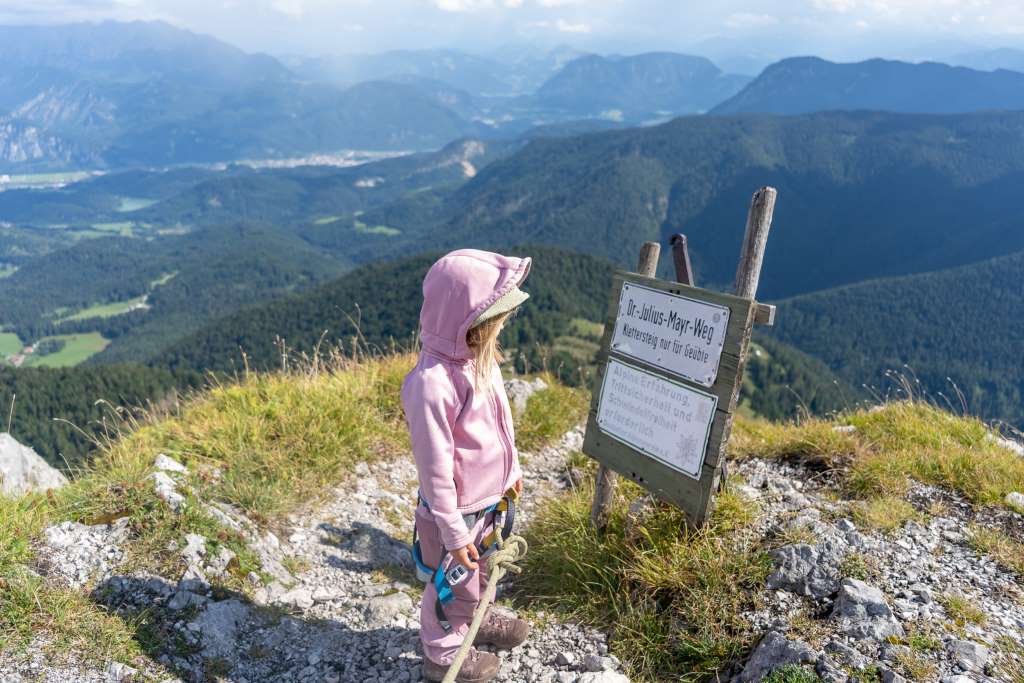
(764, 314)
(604, 485)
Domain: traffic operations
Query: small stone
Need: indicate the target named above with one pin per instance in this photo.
(565, 659)
(302, 598)
(1015, 500)
(773, 652)
(116, 671)
(602, 677)
(968, 655)
(382, 610)
(595, 663)
(167, 490)
(863, 612)
(164, 463)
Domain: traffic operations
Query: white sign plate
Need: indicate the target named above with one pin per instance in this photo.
(664, 419)
(676, 333)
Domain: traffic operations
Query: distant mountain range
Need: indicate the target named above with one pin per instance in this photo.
(808, 84)
(639, 86)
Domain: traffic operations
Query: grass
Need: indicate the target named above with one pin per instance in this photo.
(1007, 552)
(792, 673)
(9, 344)
(890, 446)
(884, 513)
(266, 444)
(550, 413)
(77, 348)
(326, 220)
(7, 270)
(129, 204)
(106, 310)
(163, 279)
(961, 610)
(122, 228)
(674, 597)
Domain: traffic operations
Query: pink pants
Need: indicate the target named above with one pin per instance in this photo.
(439, 645)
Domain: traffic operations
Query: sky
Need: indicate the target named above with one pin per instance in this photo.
(761, 29)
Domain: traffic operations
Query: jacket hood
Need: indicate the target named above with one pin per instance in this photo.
(457, 289)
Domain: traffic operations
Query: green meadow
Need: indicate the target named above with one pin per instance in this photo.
(77, 348)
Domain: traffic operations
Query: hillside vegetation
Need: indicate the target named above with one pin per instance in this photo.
(799, 85)
(952, 332)
(862, 195)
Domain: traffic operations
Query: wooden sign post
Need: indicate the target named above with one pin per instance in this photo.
(671, 366)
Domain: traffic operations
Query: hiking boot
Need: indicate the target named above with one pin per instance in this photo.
(502, 631)
(479, 667)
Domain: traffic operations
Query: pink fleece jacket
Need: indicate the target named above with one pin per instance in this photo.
(462, 437)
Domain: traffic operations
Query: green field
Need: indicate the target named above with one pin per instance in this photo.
(105, 310)
(9, 344)
(7, 270)
(129, 204)
(45, 179)
(122, 228)
(78, 347)
(376, 229)
(326, 220)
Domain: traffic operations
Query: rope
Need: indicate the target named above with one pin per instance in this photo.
(501, 561)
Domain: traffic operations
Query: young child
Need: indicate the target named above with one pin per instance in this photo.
(462, 439)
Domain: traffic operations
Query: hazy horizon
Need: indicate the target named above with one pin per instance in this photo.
(738, 31)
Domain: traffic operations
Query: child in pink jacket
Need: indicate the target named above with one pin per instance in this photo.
(464, 446)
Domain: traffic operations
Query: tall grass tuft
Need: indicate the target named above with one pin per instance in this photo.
(674, 595)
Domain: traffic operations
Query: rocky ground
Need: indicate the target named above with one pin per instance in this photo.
(915, 603)
(342, 604)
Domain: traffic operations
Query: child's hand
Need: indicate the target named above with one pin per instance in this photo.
(466, 557)
(518, 486)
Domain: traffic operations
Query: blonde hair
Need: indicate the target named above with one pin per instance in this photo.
(482, 339)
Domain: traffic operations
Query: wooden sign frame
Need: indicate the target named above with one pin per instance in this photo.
(691, 495)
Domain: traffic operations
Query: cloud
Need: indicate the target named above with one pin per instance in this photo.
(750, 20)
(294, 9)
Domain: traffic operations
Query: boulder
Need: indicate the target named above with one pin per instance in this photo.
(863, 612)
(806, 570)
(773, 652)
(22, 470)
(218, 625)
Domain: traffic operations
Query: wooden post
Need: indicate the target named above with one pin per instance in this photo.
(748, 273)
(759, 222)
(681, 259)
(604, 486)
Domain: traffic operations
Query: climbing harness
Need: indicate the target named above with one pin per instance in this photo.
(444, 580)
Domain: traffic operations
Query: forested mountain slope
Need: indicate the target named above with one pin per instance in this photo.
(807, 84)
(961, 326)
(861, 195)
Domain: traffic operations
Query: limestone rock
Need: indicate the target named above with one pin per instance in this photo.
(603, 677)
(74, 554)
(1015, 500)
(968, 655)
(773, 652)
(23, 470)
(519, 392)
(806, 570)
(167, 490)
(863, 612)
(165, 463)
(218, 626)
(382, 610)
